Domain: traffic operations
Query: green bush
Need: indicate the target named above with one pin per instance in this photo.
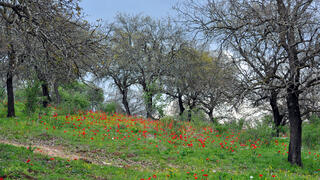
(197, 116)
(2, 94)
(311, 133)
(109, 107)
(263, 133)
(314, 119)
(32, 97)
(221, 128)
(72, 102)
(77, 96)
(233, 126)
(262, 130)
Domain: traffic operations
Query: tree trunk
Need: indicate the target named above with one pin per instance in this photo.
(189, 115)
(191, 106)
(149, 106)
(125, 101)
(56, 91)
(210, 114)
(148, 95)
(44, 86)
(277, 117)
(45, 93)
(10, 94)
(294, 156)
(11, 111)
(180, 101)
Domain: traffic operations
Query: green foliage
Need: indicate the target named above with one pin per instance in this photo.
(3, 97)
(159, 104)
(3, 109)
(77, 96)
(221, 128)
(32, 98)
(197, 116)
(109, 107)
(314, 119)
(311, 133)
(262, 131)
(2, 94)
(73, 101)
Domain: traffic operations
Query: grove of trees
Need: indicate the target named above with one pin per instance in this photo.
(268, 52)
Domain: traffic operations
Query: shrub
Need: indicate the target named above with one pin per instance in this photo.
(73, 100)
(262, 133)
(314, 119)
(311, 133)
(32, 99)
(262, 130)
(110, 107)
(2, 94)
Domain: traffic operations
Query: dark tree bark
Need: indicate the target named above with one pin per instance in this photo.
(44, 87)
(125, 101)
(180, 101)
(191, 105)
(294, 156)
(45, 93)
(149, 107)
(123, 87)
(9, 83)
(11, 110)
(148, 96)
(277, 117)
(288, 42)
(211, 115)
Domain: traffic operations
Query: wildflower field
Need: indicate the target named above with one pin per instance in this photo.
(96, 145)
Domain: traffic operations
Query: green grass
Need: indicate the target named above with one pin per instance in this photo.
(134, 148)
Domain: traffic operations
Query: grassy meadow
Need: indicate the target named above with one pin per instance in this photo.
(98, 145)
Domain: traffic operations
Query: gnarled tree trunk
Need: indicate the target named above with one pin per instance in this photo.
(45, 93)
(45, 88)
(56, 91)
(180, 102)
(11, 111)
(277, 117)
(125, 101)
(9, 83)
(294, 156)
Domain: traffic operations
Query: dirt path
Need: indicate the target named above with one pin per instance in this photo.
(54, 151)
(90, 156)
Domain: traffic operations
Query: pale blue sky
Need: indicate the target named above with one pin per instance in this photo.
(107, 9)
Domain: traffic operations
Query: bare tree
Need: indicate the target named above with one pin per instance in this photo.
(57, 42)
(141, 51)
(289, 29)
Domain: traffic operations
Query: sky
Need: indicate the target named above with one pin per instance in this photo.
(107, 9)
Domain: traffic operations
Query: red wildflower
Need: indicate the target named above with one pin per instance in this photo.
(205, 175)
(28, 160)
(51, 159)
(260, 175)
